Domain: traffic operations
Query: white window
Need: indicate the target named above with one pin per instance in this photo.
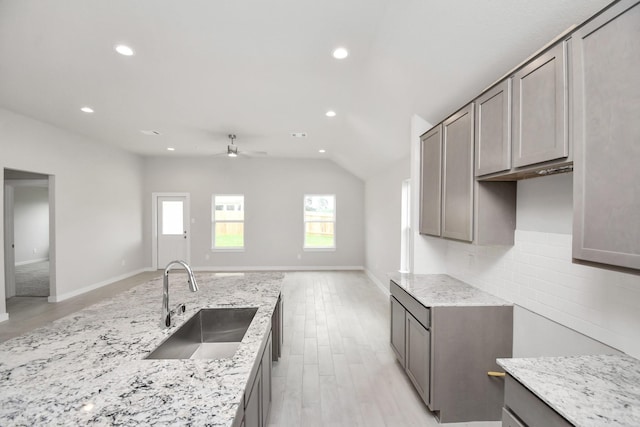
(319, 221)
(227, 221)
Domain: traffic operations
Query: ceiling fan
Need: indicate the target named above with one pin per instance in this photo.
(232, 150)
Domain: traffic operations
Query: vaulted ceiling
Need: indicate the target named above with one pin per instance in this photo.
(263, 69)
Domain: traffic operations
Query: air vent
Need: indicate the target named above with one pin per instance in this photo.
(299, 134)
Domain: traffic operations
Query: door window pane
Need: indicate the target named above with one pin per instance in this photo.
(172, 218)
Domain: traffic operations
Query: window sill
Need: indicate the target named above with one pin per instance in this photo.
(319, 249)
(227, 249)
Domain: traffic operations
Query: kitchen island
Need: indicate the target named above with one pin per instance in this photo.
(89, 367)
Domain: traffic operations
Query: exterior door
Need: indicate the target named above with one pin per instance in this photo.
(172, 232)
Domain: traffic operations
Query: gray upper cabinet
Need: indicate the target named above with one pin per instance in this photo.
(493, 129)
(457, 193)
(606, 131)
(540, 113)
(431, 182)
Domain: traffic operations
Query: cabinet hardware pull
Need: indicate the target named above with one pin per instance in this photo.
(496, 374)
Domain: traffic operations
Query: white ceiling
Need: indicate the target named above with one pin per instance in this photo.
(263, 69)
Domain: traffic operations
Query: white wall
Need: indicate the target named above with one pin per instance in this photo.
(383, 194)
(273, 190)
(98, 201)
(537, 273)
(31, 224)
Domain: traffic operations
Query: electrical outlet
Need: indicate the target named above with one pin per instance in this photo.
(35, 250)
(207, 256)
(299, 256)
(124, 262)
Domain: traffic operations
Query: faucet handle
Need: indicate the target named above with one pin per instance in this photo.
(180, 309)
(167, 320)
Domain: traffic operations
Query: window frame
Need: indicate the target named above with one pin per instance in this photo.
(334, 222)
(215, 248)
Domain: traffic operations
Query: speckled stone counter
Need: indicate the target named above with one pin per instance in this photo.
(588, 391)
(433, 290)
(88, 368)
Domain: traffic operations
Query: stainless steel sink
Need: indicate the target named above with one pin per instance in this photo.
(212, 333)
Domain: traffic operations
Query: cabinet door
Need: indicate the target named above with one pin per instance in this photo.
(266, 381)
(418, 356)
(276, 330)
(493, 130)
(606, 118)
(457, 193)
(540, 109)
(252, 409)
(431, 181)
(398, 329)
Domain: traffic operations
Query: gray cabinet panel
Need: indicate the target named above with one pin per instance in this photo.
(457, 193)
(418, 356)
(540, 131)
(493, 129)
(509, 420)
(265, 384)
(431, 182)
(606, 116)
(252, 408)
(398, 329)
(276, 330)
(466, 340)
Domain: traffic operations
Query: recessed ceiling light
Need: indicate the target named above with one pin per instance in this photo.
(150, 132)
(299, 134)
(322, 151)
(171, 149)
(340, 53)
(124, 50)
(86, 109)
(330, 113)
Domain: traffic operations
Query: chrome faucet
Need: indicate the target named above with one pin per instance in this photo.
(193, 285)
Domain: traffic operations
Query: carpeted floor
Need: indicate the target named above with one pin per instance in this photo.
(32, 280)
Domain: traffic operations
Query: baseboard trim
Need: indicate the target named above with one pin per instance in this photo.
(278, 268)
(85, 289)
(31, 261)
(377, 282)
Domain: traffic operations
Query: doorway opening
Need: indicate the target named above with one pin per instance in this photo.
(28, 233)
(405, 228)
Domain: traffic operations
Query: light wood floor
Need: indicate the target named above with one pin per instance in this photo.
(337, 368)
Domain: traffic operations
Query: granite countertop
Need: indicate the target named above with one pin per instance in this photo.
(589, 391)
(88, 367)
(433, 290)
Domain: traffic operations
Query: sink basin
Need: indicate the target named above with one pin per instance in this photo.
(212, 333)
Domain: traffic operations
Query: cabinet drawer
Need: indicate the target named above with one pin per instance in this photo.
(529, 408)
(419, 311)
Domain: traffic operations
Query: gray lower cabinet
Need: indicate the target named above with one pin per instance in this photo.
(431, 182)
(265, 385)
(540, 111)
(606, 136)
(258, 399)
(252, 416)
(524, 409)
(493, 129)
(458, 179)
(277, 330)
(398, 329)
(418, 347)
(448, 351)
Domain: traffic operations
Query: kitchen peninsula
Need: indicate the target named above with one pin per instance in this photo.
(89, 367)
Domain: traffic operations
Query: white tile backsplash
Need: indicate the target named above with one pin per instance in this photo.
(537, 273)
